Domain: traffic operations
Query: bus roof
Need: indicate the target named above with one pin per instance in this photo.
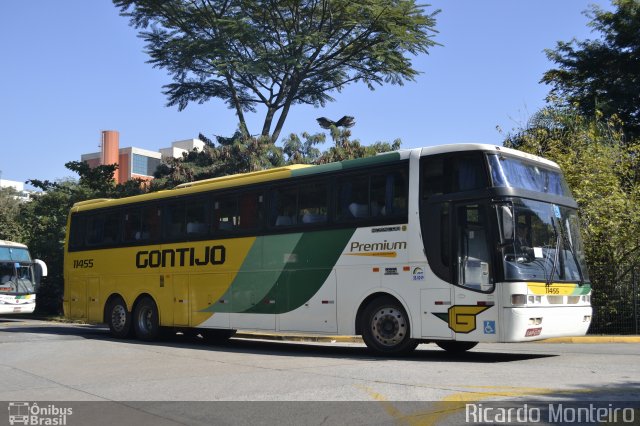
(240, 179)
(297, 170)
(5, 243)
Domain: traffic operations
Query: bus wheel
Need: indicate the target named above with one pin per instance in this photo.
(385, 327)
(118, 318)
(456, 346)
(146, 321)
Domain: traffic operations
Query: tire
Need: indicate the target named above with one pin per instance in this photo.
(118, 318)
(455, 346)
(146, 321)
(385, 327)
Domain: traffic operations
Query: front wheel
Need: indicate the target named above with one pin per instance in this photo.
(118, 318)
(385, 327)
(456, 346)
(146, 321)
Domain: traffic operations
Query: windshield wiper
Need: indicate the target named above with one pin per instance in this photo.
(556, 254)
(573, 253)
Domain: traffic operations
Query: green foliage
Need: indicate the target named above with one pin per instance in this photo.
(603, 75)
(241, 154)
(346, 149)
(238, 154)
(276, 54)
(601, 170)
(43, 221)
(10, 228)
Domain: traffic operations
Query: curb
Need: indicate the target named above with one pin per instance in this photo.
(298, 337)
(593, 339)
(357, 339)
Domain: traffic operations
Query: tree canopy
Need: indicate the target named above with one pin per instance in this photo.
(277, 53)
(603, 74)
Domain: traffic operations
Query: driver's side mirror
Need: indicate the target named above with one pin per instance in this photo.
(40, 270)
(506, 223)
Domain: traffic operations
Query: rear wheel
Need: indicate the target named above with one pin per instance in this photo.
(118, 318)
(146, 321)
(385, 327)
(455, 346)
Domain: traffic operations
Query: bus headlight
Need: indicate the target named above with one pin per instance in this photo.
(518, 299)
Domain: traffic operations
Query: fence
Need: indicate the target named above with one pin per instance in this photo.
(616, 305)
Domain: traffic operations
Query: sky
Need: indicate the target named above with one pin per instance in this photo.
(72, 68)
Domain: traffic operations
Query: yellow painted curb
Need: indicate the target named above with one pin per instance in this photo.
(593, 339)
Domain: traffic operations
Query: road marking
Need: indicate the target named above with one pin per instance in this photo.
(456, 402)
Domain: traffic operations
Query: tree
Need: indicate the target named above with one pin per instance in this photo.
(278, 53)
(237, 154)
(601, 172)
(603, 75)
(240, 154)
(44, 220)
(10, 227)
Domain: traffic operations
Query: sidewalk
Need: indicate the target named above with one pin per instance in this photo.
(300, 337)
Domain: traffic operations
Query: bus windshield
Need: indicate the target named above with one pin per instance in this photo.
(16, 277)
(519, 173)
(542, 242)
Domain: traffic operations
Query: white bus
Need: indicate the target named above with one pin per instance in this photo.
(454, 244)
(19, 278)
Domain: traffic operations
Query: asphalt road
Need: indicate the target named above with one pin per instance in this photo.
(135, 382)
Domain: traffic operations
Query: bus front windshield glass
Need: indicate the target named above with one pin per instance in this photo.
(519, 173)
(541, 242)
(16, 277)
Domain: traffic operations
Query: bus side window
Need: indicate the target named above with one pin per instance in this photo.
(111, 228)
(196, 222)
(225, 213)
(151, 228)
(284, 206)
(353, 198)
(175, 221)
(250, 210)
(389, 193)
(95, 225)
(132, 225)
(433, 177)
(313, 203)
(77, 231)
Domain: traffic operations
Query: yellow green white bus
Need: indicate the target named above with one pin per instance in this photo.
(453, 244)
(20, 276)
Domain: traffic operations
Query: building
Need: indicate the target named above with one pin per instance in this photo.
(22, 194)
(135, 162)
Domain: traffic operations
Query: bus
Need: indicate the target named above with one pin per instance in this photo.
(453, 244)
(19, 278)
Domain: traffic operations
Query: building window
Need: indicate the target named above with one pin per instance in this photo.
(143, 165)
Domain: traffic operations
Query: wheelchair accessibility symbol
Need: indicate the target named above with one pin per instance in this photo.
(489, 327)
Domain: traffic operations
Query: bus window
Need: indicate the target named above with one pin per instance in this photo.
(313, 203)
(77, 231)
(132, 225)
(150, 218)
(195, 218)
(111, 228)
(225, 213)
(175, 225)
(284, 206)
(103, 229)
(353, 197)
(459, 173)
(389, 194)
(473, 254)
(250, 210)
(95, 225)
